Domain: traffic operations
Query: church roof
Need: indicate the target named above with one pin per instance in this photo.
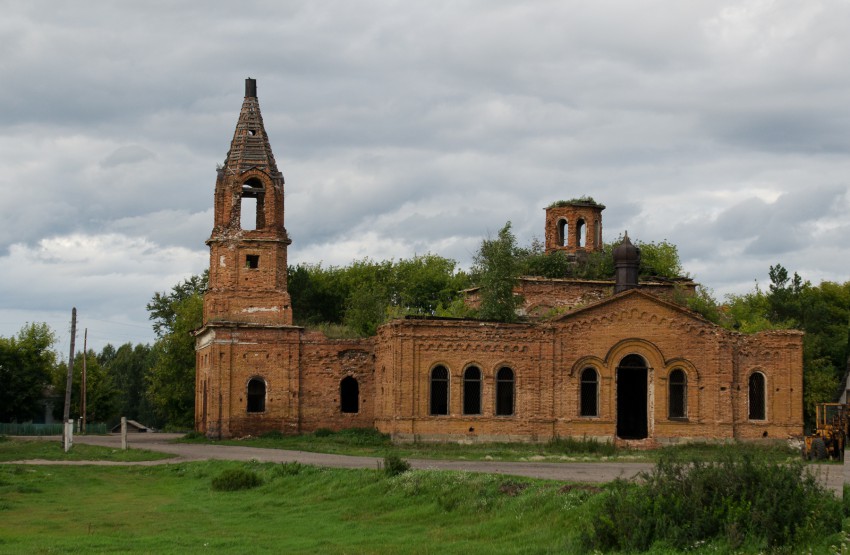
(250, 146)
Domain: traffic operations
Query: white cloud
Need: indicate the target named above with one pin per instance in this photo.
(404, 128)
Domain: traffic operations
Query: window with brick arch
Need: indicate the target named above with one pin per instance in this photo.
(562, 232)
(349, 395)
(677, 394)
(256, 395)
(472, 390)
(439, 391)
(589, 402)
(504, 392)
(757, 396)
(581, 234)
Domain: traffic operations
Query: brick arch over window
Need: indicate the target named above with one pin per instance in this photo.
(472, 390)
(256, 397)
(505, 391)
(439, 404)
(677, 394)
(349, 395)
(589, 392)
(563, 232)
(757, 396)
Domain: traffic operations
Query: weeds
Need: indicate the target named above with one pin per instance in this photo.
(235, 479)
(570, 445)
(739, 500)
(395, 465)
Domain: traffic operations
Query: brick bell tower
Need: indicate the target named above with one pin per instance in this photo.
(574, 226)
(247, 350)
(248, 273)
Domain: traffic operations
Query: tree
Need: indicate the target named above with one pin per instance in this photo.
(497, 271)
(128, 368)
(171, 381)
(26, 363)
(163, 306)
(101, 395)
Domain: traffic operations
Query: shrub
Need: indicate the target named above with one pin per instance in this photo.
(363, 436)
(395, 465)
(738, 500)
(234, 479)
(586, 445)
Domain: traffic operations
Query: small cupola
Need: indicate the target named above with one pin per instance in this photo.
(626, 265)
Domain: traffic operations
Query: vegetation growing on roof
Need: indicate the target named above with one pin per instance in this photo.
(584, 199)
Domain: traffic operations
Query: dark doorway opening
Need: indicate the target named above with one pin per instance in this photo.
(349, 395)
(632, 405)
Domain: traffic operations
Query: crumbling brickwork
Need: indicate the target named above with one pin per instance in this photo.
(586, 362)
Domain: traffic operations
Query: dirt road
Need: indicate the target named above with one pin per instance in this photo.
(833, 476)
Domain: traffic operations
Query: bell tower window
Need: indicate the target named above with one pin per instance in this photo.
(252, 261)
(252, 213)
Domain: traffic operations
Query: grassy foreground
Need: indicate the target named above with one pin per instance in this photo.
(297, 509)
(175, 508)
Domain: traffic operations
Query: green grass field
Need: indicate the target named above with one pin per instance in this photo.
(173, 508)
(17, 450)
(298, 509)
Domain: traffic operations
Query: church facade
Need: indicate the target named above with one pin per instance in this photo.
(613, 360)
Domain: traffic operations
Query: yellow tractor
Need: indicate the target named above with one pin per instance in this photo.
(830, 435)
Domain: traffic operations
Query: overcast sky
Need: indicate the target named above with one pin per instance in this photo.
(411, 127)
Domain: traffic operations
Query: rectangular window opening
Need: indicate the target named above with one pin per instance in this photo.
(252, 261)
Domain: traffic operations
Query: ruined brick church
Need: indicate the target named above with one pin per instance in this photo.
(618, 360)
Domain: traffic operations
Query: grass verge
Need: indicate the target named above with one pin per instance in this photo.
(369, 442)
(13, 449)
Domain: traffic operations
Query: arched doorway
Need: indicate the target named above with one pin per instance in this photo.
(632, 407)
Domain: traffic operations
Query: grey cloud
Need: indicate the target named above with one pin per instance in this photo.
(127, 155)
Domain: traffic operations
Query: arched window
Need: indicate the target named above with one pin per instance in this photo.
(757, 396)
(349, 395)
(581, 234)
(504, 392)
(256, 395)
(439, 390)
(252, 205)
(472, 391)
(589, 393)
(562, 232)
(677, 384)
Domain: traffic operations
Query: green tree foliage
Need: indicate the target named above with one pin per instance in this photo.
(171, 381)
(101, 394)
(658, 259)
(26, 364)
(129, 367)
(497, 270)
(367, 293)
(163, 306)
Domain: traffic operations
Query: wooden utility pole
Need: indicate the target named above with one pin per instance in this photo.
(66, 415)
(83, 383)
